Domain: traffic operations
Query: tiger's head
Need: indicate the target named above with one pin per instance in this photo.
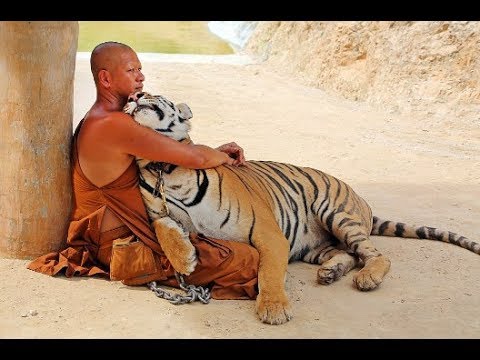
(160, 114)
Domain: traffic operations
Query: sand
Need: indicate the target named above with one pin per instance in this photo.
(408, 168)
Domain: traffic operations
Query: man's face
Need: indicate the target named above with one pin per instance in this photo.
(127, 75)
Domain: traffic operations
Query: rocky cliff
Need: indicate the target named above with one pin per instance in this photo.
(427, 68)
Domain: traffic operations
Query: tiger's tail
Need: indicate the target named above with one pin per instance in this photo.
(391, 228)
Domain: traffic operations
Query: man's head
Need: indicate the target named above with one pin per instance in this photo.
(116, 69)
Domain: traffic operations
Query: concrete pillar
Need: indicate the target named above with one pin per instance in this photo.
(37, 67)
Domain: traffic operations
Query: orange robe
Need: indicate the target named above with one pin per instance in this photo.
(230, 269)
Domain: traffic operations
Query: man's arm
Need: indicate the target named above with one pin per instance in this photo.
(129, 137)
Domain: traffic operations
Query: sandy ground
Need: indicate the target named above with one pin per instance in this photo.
(409, 169)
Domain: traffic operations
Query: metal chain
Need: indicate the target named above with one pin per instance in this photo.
(160, 191)
(194, 293)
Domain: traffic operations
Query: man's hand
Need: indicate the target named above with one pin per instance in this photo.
(234, 151)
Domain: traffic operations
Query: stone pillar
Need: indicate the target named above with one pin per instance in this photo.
(37, 67)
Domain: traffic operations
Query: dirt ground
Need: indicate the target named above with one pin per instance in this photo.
(409, 169)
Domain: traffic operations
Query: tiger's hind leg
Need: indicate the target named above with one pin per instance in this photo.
(356, 239)
(334, 262)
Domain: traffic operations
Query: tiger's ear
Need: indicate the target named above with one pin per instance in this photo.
(185, 111)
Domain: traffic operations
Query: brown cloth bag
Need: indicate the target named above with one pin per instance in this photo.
(131, 258)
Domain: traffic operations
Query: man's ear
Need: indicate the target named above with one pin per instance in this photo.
(104, 78)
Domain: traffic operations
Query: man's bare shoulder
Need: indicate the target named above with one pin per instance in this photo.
(111, 127)
(111, 120)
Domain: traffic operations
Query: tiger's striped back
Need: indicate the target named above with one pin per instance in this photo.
(306, 202)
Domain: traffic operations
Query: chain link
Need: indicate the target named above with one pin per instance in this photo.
(160, 191)
(194, 293)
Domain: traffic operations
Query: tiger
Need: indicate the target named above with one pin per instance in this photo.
(287, 212)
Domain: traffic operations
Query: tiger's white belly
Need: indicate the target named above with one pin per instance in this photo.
(206, 219)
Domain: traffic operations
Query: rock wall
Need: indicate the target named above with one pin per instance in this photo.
(427, 68)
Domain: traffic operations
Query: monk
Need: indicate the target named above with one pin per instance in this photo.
(107, 202)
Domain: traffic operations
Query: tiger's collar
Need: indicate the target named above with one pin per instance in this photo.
(160, 167)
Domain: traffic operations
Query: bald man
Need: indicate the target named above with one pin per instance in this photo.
(107, 199)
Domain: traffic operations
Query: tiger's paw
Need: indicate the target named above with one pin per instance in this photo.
(273, 311)
(372, 273)
(176, 244)
(184, 259)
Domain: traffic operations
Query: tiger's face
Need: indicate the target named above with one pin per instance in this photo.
(160, 114)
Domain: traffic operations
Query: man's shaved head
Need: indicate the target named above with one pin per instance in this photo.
(106, 55)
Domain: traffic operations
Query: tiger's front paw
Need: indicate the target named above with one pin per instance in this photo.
(176, 245)
(273, 310)
(184, 259)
